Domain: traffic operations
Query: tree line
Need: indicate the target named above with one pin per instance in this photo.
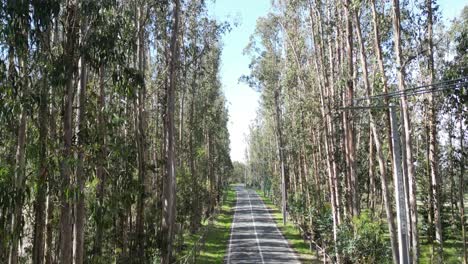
(113, 135)
(315, 63)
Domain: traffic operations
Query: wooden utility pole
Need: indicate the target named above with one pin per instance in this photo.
(399, 191)
(245, 167)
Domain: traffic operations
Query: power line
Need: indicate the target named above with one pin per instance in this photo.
(418, 90)
(414, 91)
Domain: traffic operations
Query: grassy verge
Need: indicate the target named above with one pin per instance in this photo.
(213, 248)
(453, 245)
(452, 252)
(290, 232)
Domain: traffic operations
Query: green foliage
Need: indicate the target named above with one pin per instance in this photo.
(363, 240)
(212, 248)
(322, 220)
(457, 67)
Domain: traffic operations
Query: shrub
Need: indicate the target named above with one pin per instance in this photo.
(362, 240)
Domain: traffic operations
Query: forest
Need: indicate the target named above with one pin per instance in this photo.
(113, 135)
(114, 140)
(323, 146)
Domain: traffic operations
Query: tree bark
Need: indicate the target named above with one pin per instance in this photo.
(80, 210)
(66, 225)
(348, 116)
(40, 203)
(383, 77)
(51, 195)
(19, 187)
(380, 157)
(433, 152)
(169, 182)
(326, 81)
(141, 138)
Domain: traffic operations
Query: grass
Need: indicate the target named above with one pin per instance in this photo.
(214, 247)
(452, 252)
(218, 233)
(452, 243)
(290, 232)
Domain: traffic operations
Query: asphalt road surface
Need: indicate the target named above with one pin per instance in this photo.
(255, 238)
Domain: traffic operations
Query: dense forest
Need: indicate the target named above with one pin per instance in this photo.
(322, 145)
(114, 141)
(113, 135)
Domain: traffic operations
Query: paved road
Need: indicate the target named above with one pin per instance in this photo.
(255, 238)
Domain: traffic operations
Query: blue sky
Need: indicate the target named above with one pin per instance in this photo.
(243, 101)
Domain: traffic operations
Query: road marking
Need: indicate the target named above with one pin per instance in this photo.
(255, 229)
(268, 254)
(232, 228)
(277, 229)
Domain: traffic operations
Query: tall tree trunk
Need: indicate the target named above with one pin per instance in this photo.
(39, 206)
(51, 195)
(101, 164)
(407, 133)
(80, 213)
(40, 203)
(380, 157)
(20, 165)
(169, 182)
(195, 214)
(430, 213)
(70, 45)
(195, 220)
(49, 235)
(349, 129)
(326, 81)
(141, 138)
(433, 152)
(383, 77)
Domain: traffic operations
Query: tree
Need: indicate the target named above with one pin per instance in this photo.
(169, 182)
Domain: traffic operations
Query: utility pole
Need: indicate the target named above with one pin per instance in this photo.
(245, 167)
(283, 189)
(399, 190)
(245, 174)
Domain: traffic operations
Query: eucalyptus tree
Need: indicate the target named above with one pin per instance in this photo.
(456, 102)
(16, 36)
(87, 124)
(266, 77)
(327, 54)
(43, 17)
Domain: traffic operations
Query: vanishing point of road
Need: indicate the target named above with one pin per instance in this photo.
(255, 238)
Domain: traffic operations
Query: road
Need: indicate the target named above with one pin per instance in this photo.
(255, 238)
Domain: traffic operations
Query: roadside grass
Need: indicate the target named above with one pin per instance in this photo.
(453, 245)
(215, 244)
(290, 232)
(452, 252)
(214, 248)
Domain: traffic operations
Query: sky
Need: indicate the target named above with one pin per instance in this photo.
(243, 100)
